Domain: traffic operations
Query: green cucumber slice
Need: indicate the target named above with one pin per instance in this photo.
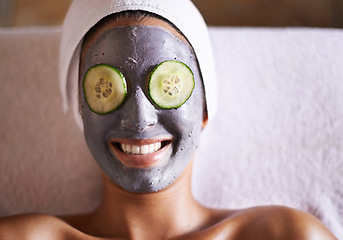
(104, 88)
(171, 83)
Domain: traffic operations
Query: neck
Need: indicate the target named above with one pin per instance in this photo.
(159, 215)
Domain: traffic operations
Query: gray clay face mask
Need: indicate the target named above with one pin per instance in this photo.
(139, 123)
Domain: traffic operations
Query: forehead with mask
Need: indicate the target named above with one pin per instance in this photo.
(139, 143)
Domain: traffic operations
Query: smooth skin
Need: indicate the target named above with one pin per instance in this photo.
(171, 213)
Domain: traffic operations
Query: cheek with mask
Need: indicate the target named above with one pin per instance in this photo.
(138, 142)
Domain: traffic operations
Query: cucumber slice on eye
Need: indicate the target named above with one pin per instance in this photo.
(171, 84)
(104, 88)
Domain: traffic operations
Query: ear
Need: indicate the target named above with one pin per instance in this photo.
(205, 119)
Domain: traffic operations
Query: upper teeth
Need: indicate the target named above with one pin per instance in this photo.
(142, 149)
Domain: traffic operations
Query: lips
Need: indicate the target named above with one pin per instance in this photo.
(141, 153)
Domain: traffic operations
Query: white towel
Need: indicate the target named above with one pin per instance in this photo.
(277, 137)
(84, 14)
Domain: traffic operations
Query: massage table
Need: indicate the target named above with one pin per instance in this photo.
(276, 139)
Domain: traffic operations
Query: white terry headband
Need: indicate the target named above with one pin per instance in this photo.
(84, 14)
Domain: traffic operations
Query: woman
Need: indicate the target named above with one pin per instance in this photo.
(144, 140)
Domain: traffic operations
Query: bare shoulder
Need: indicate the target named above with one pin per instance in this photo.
(277, 222)
(33, 226)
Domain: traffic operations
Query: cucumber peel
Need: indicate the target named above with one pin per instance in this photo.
(104, 88)
(171, 83)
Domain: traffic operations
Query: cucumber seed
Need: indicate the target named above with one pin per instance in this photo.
(172, 86)
(103, 88)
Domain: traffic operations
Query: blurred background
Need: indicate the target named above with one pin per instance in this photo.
(271, 13)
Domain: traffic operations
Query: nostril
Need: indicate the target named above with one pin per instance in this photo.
(140, 126)
(125, 123)
(128, 124)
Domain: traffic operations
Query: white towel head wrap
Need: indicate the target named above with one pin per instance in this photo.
(84, 14)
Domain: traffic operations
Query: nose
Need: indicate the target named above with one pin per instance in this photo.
(139, 114)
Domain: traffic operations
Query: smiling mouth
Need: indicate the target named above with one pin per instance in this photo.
(140, 150)
(139, 153)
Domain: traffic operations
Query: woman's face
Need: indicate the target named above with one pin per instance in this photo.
(161, 142)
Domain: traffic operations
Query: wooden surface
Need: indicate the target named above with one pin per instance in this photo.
(310, 13)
